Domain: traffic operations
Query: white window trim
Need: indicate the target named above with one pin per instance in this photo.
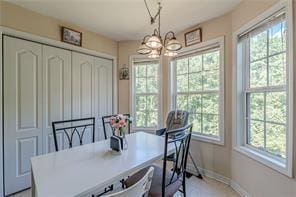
(172, 91)
(132, 93)
(238, 103)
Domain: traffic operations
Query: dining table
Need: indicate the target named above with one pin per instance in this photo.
(85, 170)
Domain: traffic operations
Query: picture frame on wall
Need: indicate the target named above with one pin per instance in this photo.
(71, 36)
(193, 37)
(124, 73)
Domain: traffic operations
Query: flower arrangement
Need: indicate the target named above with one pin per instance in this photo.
(119, 124)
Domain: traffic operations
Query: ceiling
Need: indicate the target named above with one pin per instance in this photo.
(129, 19)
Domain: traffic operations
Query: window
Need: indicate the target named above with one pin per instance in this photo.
(145, 93)
(198, 88)
(262, 92)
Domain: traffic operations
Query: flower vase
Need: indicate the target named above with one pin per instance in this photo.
(124, 142)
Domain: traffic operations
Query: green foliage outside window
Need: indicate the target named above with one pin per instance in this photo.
(198, 91)
(146, 94)
(266, 98)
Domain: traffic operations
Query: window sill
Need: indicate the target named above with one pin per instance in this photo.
(208, 139)
(264, 159)
(149, 130)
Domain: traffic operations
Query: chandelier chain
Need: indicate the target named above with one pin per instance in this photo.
(148, 9)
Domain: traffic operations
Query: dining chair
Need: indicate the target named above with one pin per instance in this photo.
(108, 131)
(72, 129)
(178, 119)
(175, 119)
(165, 183)
(139, 189)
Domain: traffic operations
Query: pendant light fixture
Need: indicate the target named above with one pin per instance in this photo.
(152, 45)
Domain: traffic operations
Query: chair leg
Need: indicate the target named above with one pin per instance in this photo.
(184, 186)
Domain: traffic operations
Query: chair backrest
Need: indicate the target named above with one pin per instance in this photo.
(180, 138)
(108, 130)
(177, 119)
(73, 129)
(139, 189)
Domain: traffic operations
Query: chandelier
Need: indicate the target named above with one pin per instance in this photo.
(152, 45)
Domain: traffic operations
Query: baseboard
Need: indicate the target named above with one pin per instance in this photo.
(208, 173)
(241, 191)
(218, 177)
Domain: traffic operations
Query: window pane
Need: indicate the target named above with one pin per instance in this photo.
(277, 70)
(211, 80)
(256, 106)
(277, 41)
(195, 119)
(146, 92)
(258, 72)
(140, 103)
(152, 85)
(182, 102)
(151, 119)
(140, 119)
(182, 66)
(194, 103)
(140, 71)
(276, 107)
(182, 83)
(258, 46)
(210, 124)
(151, 103)
(195, 63)
(276, 139)
(195, 82)
(152, 70)
(256, 134)
(140, 85)
(210, 104)
(211, 61)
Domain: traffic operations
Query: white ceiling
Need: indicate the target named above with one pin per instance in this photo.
(128, 19)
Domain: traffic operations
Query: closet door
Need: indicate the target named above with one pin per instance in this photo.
(82, 68)
(102, 92)
(56, 94)
(22, 111)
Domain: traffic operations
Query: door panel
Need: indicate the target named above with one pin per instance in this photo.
(102, 92)
(22, 110)
(56, 93)
(82, 91)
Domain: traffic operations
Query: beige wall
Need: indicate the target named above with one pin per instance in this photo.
(254, 177)
(211, 157)
(257, 179)
(25, 20)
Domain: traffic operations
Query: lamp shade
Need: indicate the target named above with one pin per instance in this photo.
(170, 53)
(154, 42)
(173, 45)
(154, 54)
(143, 49)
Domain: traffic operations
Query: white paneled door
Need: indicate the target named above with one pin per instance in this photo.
(22, 110)
(102, 92)
(82, 91)
(56, 94)
(43, 84)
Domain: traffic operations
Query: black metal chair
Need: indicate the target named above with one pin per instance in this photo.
(107, 126)
(72, 127)
(165, 182)
(177, 119)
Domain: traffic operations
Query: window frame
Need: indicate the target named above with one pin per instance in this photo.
(201, 48)
(133, 94)
(240, 74)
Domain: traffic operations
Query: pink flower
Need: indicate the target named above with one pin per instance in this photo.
(122, 122)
